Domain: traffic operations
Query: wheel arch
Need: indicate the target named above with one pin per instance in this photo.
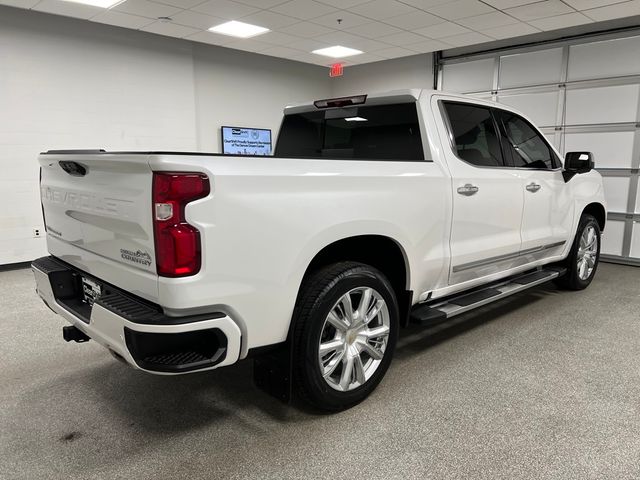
(379, 251)
(597, 210)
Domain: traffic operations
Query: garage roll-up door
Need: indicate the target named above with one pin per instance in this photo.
(585, 95)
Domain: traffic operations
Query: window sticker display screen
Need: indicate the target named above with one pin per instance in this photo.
(246, 141)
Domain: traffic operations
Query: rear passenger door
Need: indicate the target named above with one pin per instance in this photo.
(487, 193)
(548, 207)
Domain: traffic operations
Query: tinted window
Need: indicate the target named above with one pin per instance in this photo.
(386, 132)
(474, 134)
(528, 148)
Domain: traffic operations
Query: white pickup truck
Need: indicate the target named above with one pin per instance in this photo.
(375, 212)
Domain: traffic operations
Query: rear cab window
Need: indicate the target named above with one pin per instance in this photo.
(378, 132)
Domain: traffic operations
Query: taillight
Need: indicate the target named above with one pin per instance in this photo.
(177, 242)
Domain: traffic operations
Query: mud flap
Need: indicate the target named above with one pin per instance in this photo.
(273, 371)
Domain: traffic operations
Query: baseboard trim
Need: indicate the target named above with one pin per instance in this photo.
(14, 266)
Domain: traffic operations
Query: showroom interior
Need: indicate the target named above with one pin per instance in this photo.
(545, 384)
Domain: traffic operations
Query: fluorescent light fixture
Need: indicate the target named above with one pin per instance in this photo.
(97, 3)
(239, 29)
(337, 51)
(355, 119)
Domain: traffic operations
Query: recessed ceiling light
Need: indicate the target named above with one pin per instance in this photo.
(238, 29)
(355, 119)
(337, 51)
(97, 3)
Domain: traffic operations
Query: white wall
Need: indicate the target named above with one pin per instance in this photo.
(248, 90)
(66, 83)
(407, 72)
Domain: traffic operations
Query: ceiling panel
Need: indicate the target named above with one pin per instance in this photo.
(586, 4)
(196, 19)
(305, 29)
(403, 38)
(260, 3)
(464, 39)
(395, 52)
(170, 29)
(304, 9)
(461, 9)
(341, 38)
(381, 9)
(277, 38)
(341, 20)
(369, 45)
(119, 19)
(211, 38)
(533, 11)
(182, 3)
(144, 8)
(445, 29)
(487, 20)
(270, 20)
(502, 4)
(364, 58)
(343, 3)
(284, 52)
(67, 9)
(307, 45)
(424, 4)
(222, 8)
(374, 30)
(511, 31)
(20, 3)
(413, 20)
(625, 9)
(425, 46)
(561, 21)
(249, 45)
(382, 29)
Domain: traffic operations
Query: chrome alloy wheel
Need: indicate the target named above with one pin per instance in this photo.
(353, 340)
(587, 252)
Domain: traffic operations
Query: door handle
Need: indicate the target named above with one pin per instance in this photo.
(533, 187)
(467, 190)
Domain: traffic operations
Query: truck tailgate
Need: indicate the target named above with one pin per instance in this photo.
(98, 216)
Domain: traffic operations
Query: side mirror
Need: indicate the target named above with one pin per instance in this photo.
(576, 163)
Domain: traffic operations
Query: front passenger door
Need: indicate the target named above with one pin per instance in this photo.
(548, 207)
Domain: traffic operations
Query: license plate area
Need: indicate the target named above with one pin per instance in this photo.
(91, 291)
(72, 290)
(76, 293)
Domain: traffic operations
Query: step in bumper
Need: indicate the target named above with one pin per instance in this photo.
(135, 330)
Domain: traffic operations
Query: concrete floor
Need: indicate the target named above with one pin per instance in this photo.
(545, 385)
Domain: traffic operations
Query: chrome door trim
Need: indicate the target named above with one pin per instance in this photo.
(508, 256)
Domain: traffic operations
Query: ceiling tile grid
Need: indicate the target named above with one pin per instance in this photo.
(382, 29)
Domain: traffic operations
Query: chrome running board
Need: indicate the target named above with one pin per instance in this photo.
(429, 313)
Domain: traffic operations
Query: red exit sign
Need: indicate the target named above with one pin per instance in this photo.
(336, 70)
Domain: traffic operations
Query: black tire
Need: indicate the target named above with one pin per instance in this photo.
(318, 295)
(571, 280)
